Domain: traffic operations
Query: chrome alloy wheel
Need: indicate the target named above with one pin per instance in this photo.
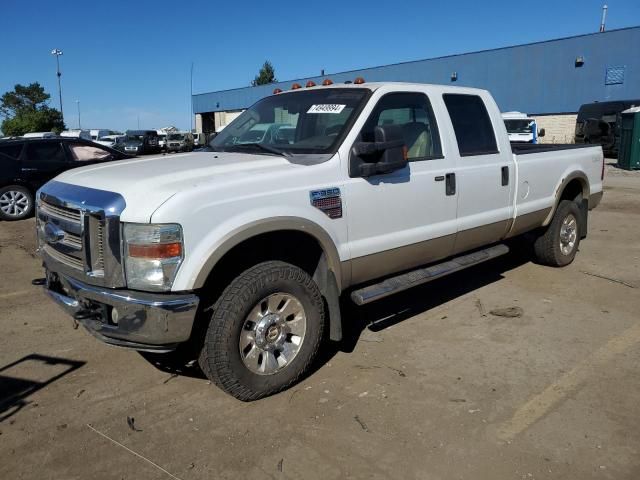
(14, 203)
(272, 333)
(568, 234)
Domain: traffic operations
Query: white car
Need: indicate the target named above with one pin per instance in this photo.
(113, 141)
(241, 254)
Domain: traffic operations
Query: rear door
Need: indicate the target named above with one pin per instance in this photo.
(484, 172)
(405, 218)
(10, 171)
(42, 160)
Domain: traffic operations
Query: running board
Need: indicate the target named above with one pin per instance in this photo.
(423, 275)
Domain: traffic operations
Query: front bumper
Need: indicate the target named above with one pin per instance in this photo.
(145, 321)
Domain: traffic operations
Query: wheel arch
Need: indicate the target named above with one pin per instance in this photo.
(570, 188)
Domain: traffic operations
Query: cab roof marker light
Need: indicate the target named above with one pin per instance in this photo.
(296, 86)
(358, 81)
(310, 83)
(277, 91)
(327, 82)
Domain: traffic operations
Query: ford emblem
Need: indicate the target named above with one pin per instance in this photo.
(52, 234)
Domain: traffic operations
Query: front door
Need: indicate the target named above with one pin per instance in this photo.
(406, 218)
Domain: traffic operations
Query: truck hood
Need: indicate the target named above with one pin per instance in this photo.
(147, 182)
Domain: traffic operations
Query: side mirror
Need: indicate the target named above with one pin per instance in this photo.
(541, 132)
(387, 153)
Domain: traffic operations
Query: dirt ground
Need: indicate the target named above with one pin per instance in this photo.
(429, 385)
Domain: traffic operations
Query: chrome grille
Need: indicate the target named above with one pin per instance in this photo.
(65, 213)
(79, 233)
(72, 240)
(99, 264)
(63, 258)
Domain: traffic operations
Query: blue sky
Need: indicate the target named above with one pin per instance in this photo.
(130, 60)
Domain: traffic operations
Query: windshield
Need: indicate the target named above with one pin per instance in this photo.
(135, 138)
(306, 122)
(106, 139)
(175, 136)
(519, 126)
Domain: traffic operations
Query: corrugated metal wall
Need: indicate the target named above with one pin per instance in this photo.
(539, 78)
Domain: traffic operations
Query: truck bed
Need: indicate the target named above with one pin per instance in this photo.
(526, 148)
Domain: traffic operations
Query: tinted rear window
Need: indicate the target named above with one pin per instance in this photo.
(13, 150)
(471, 124)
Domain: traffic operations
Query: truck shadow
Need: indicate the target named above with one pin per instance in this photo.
(14, 390)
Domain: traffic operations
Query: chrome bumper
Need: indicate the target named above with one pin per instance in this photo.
(145, 321)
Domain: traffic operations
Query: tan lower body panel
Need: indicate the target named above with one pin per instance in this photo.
(529, 221)
(480, 236)
(398, 259)
(377, 265)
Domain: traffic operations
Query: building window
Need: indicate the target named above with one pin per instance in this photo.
(614, 76)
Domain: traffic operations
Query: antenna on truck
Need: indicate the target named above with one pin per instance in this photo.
(604, 17)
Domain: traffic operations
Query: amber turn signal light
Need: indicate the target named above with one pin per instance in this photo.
(156, 250)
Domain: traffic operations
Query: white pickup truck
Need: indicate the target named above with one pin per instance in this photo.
(243, 252)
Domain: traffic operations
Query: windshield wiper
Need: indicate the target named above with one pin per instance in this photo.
(263, 147)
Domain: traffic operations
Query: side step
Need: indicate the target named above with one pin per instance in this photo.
(423, 275)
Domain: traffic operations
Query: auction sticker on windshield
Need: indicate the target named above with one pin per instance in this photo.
(326, 108)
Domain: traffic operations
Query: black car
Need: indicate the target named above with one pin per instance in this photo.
(139, 142)
(28, 163)
(599, 123)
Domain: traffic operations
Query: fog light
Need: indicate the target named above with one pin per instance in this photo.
(115, 316)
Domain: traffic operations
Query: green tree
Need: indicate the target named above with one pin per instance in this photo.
(266, 75)
(26, 109)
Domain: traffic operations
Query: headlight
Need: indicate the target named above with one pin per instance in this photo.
(153, 254)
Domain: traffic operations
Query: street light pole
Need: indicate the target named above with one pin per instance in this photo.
(191, 100)
(57, 52)
(78, 104)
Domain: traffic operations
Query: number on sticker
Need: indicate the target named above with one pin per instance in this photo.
(326, 108)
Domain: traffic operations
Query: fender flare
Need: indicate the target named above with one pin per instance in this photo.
(258, 227)
(584, 181)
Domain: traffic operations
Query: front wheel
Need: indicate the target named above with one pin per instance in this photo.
(265, 331)
(558, 245)
(16, 203)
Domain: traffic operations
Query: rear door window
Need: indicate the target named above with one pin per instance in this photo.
(86, 153)
(471, 124)
(12, 150)
(46, 152)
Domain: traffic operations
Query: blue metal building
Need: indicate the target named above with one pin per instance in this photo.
(542, 78)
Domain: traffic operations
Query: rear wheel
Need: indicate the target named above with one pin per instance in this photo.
(265, 331)
(558, 245)
(16, 203)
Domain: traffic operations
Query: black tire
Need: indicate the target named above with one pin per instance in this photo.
(221, 359)
(547, 247)
(10, 212)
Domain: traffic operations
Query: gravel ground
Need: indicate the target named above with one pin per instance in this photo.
(431, 384)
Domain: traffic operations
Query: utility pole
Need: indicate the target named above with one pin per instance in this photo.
(191, 100)
(78, 104)
(56, 53)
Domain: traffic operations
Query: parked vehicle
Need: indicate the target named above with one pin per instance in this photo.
(599, 123)
(98, 133)
(180, 142)
(141, 142)
(39, 135)
(242, 253)
(162, 141)
(522, 128)
(27, 164)
(77, 133)
(199, 139)
(113, 141)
